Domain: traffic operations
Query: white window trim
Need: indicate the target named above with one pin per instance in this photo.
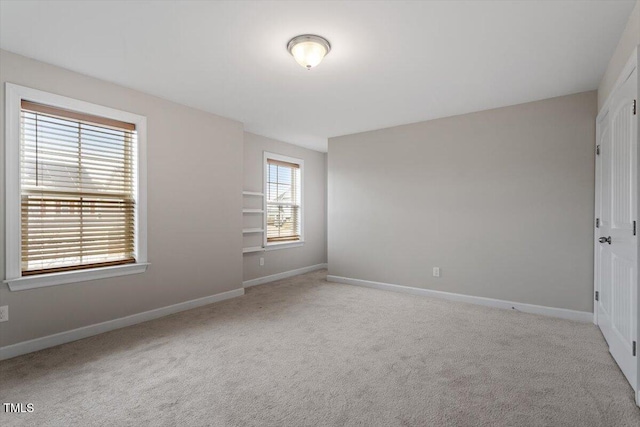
(282, 245)
(14, 94)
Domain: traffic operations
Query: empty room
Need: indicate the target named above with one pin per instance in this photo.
(319, 213)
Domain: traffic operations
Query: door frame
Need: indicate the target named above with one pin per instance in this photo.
(630, 66)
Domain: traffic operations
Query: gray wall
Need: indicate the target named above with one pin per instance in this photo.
(500, 200)
(628, 41)
(314, 250)
(194, 203)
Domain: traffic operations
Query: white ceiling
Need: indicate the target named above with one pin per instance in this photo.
(392, 62)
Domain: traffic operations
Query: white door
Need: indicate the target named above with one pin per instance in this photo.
(616, 267)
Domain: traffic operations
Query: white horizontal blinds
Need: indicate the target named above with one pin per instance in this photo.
(77, 193)
(283, 201)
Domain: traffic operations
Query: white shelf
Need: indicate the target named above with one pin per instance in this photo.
(252, 230)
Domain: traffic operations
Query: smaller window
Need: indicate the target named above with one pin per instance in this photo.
(283, 199)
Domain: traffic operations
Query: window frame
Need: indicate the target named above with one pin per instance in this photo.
(14, 94)
(282, 245)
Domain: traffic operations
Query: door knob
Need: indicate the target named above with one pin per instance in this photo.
(605, 240)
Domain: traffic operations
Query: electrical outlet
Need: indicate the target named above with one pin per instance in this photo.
(4, 313)
(436, 271)
(261, 261)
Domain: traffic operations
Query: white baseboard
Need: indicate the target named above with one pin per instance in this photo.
(99, 328)
(563, 313)
(283, 275)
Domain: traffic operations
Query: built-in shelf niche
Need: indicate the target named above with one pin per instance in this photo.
(253, 221)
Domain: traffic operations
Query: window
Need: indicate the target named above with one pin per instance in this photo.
(283, 200)
(74, 201)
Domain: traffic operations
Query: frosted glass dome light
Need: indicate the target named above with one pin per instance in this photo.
(308, 49)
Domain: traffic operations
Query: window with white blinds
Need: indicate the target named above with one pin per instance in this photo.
(78, 207)
(283, 199)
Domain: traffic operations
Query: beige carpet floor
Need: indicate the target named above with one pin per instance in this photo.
(304, 352)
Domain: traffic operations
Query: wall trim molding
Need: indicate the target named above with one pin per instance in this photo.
(41, 343)
(563, 313)
(283, 275)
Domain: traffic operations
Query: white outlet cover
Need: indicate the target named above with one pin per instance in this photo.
(4, 313)
(436, 271)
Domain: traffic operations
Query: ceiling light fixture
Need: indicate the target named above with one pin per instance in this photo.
(308, 49)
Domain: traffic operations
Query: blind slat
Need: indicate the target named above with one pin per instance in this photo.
(31, 162)
(82, 188)
(70, 131)
(41, 134)
(30, 119)
(117, 250)
(86, 157)
(35, 192)
(69, 250)
(80, 267)
(71, 144)
(86, 174)
(73, 115)
(283, 164)
(50, 242)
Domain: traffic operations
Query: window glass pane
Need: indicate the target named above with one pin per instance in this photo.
(77, 196)
(283, 198)
(272, 190)
(284, 193)
(284, 175)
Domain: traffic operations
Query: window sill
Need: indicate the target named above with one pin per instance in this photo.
(53, 279)
(283, 245)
